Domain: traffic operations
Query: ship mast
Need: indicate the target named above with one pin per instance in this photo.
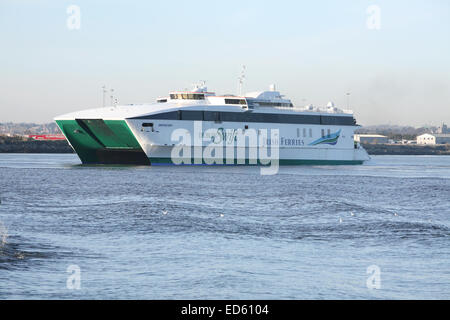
(104, 95)
(241, 79)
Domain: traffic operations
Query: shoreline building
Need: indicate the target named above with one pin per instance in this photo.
(434, 138)
(371, 138)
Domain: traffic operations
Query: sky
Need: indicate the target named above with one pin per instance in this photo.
(393, 57)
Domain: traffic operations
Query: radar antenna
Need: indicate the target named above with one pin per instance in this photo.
(200, 86)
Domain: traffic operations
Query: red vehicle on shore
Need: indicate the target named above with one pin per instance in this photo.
(47, 136)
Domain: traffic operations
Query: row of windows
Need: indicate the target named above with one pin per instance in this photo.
(310, 130)
(187, 96)
(328, 132)
(274, 104)
(251, 117)
(235, 101)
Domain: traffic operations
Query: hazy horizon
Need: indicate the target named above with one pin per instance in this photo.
(398, 73)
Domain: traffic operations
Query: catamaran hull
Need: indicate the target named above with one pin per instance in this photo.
(167, 155)
(337, 149)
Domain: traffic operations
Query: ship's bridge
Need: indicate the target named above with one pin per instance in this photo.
(199, 92)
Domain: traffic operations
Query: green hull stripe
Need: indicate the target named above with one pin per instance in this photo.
(285, 162)
(93, 139)
(111, 133)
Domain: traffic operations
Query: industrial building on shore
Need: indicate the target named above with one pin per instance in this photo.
(371, 138)
(434, 138)
(442, 136)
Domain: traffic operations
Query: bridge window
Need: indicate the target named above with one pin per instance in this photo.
(235, 101)
(191, 115)
(187, 96)
(274, 104)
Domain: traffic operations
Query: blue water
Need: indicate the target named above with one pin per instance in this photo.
(224, 232)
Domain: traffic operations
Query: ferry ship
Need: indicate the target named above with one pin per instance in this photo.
(144, 134)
